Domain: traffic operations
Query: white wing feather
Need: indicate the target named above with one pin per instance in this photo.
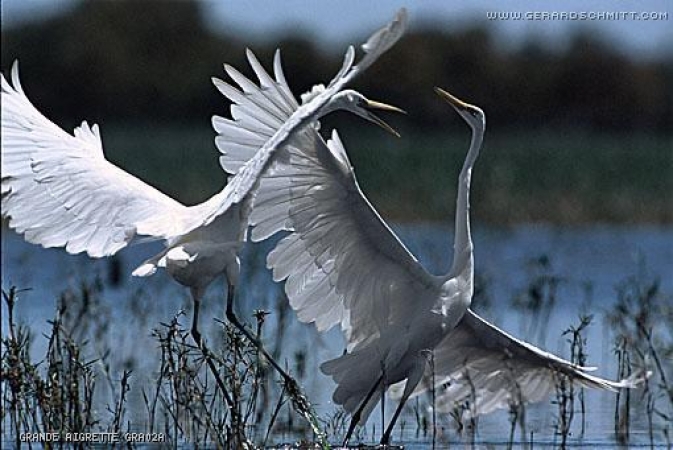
(342, 262)
(257, 112)
(248, 176)
(59, 190)
(481, 365)
(309, 187)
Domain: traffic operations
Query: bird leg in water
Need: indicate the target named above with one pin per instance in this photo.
(299, 400)
(356, 416)
(196, 335)
(231, 316)
(385, 439)
(412, 381)
(383, 396)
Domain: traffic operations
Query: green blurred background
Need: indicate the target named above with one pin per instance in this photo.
(577, 133)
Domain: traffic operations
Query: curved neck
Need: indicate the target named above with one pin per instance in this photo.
(463, 261)
(335, 103)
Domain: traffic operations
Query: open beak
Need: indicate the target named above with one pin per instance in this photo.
(458, 104)
(377, 120)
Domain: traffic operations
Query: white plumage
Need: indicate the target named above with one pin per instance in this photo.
(50, 176)
(60, 191)
(482, 365)
(343, 265)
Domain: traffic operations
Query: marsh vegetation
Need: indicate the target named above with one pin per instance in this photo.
(75, 374)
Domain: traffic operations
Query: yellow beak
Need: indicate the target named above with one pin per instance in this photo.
(384, 106)
(377, 120)
(453, 101)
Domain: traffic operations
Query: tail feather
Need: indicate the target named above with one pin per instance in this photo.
(146, 269)
(149, 266)
(633, 381)
(356, 374)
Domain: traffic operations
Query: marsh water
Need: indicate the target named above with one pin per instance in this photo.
(590, 264)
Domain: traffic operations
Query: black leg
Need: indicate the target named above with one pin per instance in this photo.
(383, 398)
(231, 316)
(357, 415)
(196, 334)
(385, 439)
(299, 400)
(412, 381)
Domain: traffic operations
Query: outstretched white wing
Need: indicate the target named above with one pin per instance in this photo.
(258, 110)
(342, 262)
(60, 191)
(479, 365)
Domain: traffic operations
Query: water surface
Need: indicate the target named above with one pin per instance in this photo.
(590, 263)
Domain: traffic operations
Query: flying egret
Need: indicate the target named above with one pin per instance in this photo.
(344, 265)
(58, 190)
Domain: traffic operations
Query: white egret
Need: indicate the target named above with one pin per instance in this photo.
(343, 265)
(58, 190)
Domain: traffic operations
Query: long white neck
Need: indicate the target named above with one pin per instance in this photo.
(337, 102)
(463, 260)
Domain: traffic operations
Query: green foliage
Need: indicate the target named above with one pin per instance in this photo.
(179, 160)
(520, 177)
(567, 178)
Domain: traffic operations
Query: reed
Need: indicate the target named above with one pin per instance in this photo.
(79, 385)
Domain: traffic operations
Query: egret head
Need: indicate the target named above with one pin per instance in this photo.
(474, 116)
(357, 103)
